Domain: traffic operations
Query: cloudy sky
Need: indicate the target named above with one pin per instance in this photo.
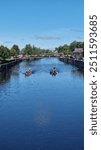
(43, 23)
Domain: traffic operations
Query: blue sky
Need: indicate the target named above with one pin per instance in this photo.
(43, 23)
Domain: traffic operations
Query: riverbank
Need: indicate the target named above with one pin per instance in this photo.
(78, 63)
(8, 64)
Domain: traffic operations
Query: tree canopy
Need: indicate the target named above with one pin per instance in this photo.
(32, 50)
(15, 50)
(4, 52)
(65, 49)
(76, 44)
(68, 49)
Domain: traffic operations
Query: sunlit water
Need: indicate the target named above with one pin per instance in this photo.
(42, 112)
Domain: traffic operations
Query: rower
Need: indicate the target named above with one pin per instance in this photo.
(54, 69)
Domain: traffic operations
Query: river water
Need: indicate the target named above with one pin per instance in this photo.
(42, 112)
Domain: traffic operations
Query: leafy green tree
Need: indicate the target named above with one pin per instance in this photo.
(15, 50)
(76, 44)
(4, 52)
(28, 49)
(65, 49)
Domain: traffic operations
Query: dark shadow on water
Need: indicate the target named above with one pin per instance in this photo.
(79, 72)
(6, 74)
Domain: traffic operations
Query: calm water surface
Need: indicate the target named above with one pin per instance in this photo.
(42, 112)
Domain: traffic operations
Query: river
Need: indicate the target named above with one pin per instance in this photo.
(42, 112)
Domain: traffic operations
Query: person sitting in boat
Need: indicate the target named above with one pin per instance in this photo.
(30, 69)
(53, 71)
(28, 72)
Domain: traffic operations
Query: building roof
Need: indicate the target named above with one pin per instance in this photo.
(78, 50)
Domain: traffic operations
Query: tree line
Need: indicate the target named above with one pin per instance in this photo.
(6, 53)
(68, 49)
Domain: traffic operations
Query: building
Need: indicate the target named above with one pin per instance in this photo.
(78, 53)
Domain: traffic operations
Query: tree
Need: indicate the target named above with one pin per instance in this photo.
(76, 44)
(64, 49)
(15, 50)
(4, 52)
(28, 49)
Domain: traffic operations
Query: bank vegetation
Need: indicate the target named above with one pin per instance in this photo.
(7, 54)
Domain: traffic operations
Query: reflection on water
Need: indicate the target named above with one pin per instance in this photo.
(42, 118)
(4, 76)
(38, 66)
(78, 72)
(41, 111)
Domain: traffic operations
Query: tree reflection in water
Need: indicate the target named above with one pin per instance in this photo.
(78, 72)
(6, 74)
